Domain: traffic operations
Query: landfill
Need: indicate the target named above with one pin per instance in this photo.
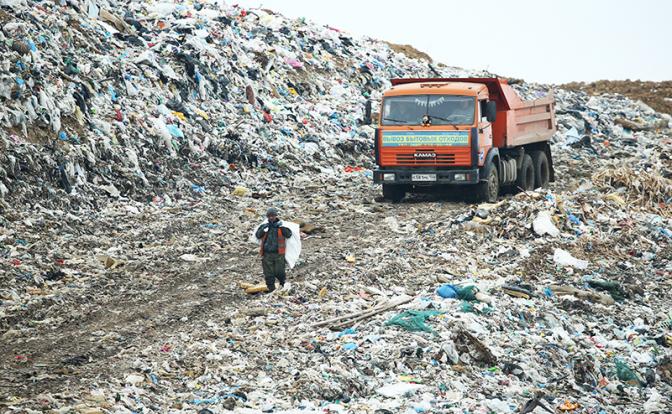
(141, 144)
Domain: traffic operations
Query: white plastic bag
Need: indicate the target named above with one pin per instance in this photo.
(543, 224)
(564, 258)
(292, 244)
(399, 389)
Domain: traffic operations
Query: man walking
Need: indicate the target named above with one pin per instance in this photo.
(272, 236)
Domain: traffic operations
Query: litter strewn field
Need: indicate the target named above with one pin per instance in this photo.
(141, 143)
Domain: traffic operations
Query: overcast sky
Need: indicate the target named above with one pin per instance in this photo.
(538, 40)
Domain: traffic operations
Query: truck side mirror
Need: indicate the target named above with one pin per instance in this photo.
(367, 112)
(491, 111)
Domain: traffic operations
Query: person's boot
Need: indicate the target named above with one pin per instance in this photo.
(270, 284)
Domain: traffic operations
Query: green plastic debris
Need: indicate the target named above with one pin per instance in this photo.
(613, 288)
(413, 320)
(467, 307)
(467, 293)
(625, 374)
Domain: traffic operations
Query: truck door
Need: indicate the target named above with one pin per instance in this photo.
(484, 132)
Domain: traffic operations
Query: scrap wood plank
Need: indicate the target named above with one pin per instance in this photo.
(358, 316)
(251, 288)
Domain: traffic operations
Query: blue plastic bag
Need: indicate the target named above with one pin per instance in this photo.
(447, 291)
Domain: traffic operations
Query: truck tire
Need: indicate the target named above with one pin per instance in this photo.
(394, 193)
(542, 171)
(488, 190)
(525, 179)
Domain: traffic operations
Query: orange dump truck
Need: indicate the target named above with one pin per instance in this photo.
(467, 131)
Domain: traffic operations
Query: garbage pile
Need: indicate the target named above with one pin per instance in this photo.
(141, 100)
(141, 144)
(654, 94)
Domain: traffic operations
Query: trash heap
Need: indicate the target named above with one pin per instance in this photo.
(141, 142)
(142, 100)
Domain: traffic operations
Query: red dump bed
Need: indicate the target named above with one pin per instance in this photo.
(518, 122)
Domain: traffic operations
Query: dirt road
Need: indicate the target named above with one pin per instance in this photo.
(94, 331)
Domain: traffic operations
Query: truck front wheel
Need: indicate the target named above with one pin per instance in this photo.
(488, 189)
(393, 192)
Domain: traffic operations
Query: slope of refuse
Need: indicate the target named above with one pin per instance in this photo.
(141, 143)
(658, 95)
(166, 99)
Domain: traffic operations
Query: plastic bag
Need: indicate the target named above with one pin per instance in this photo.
(292, 244)
(543, 224)
(564, 258)
(399, 389)
(413, 320)
(625, 374)
(456, 292)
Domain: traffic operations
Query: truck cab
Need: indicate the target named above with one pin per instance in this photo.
(434, 132)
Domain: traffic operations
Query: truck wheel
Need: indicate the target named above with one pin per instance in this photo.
(525, 180)
(488, 190)
(542, 171)
(394, 193)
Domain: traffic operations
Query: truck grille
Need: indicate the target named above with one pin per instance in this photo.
(427, 157)
(438, 159)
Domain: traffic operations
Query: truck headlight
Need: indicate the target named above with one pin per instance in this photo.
(388, 177)
(460, 177)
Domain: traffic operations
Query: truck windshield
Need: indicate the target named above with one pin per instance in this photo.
(442, 109)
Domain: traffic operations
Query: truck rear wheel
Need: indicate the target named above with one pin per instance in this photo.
(525, 179)
(488, 190)
(394, 193)
(542, 171)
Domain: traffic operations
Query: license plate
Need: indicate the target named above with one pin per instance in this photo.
(423, 177)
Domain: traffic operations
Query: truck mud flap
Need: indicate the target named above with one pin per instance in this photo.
(376, 145)
(474, 147)
(547, 150)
